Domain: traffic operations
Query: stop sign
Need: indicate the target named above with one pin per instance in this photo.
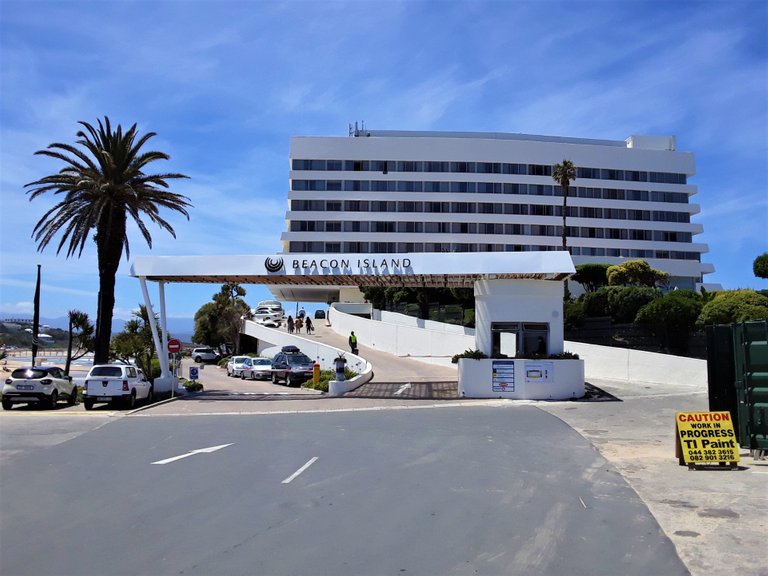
(174, 346)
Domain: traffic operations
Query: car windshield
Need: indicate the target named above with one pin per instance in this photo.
(29, 373)
(262, 361)
(109, 371)
(239, 359)
(298, 359)
(204, 351)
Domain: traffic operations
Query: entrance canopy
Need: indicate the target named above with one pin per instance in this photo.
(413, 270)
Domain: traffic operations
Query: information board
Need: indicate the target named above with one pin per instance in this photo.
(706, 437)
(503, 379)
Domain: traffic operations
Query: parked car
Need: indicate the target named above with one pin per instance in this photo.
(292, 365)
(205, 355)
(44, 385)
(319, 314)
(257, 369)
(122, 383)
(236, 365)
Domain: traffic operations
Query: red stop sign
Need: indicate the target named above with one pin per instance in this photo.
(174, 346)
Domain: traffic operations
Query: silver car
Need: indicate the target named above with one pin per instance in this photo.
(44, 385)
(257, 369)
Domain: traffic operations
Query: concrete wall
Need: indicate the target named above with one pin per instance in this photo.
(521, 379)
(623, 364)
(399, 339)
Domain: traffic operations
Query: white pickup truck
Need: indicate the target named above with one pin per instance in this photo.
(122, 383)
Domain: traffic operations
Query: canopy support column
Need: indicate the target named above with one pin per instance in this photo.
(166, 382)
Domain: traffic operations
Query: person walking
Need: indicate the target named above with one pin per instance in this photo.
(299, 324)
(308, 325)
(290, 324)
(353, 342)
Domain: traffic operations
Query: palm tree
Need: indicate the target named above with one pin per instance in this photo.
(103, 183)
(83, 339)
(563, 174)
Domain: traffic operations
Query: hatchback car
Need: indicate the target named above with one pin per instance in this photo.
(236, 365)
(292, 366)
(44, 385)
(204, 355)
(319, 314)
(257, 369)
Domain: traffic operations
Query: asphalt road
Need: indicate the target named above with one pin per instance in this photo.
(457, 490)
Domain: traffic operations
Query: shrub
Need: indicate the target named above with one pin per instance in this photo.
(573, 313)
(734, 306)
(635, 273)
(621, 303)
(760, 266)
(193, 386)
(672, 317)
(469, 353)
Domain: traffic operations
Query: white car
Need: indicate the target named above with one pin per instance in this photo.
(204, 355)
(236, 365)
(257, 369)
(44, 385)
(122, 383)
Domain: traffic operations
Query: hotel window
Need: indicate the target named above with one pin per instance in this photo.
(333, 185)
(408, 186)
(410, 227)
(383, 247)
(436, 187)
(488, 167)
(333, 165)
(515, 209)
(613, 194)
(436, 166)
(588, 173)
(463, 167)
(382, 226)
(333, 226)
(437, 207)
(637, 195)
(333, 247)
(409, 206)
(463, 187)
(515, 188)
(408, 166)
(539, 170)
(636, 176)
(333, 206)
(514, 168)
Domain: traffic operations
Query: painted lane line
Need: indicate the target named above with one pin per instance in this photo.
(299, 471)
(402, 389)
(192, 453)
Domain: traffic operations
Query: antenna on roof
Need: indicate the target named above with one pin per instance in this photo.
(356, 131)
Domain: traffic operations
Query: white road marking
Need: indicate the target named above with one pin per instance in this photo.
(192, 453)
(402, 389)
(299, 471)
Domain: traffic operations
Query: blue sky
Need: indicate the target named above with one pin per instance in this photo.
(226, 84)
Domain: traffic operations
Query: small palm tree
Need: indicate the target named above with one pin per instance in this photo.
(80, 336)
(103, 183)
(563, 174)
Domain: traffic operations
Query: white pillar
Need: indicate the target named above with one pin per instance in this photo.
(166, 381)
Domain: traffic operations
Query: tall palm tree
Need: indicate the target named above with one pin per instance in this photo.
(563, 174)
(103, 183)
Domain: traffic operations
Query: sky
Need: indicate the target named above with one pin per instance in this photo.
(225, 85)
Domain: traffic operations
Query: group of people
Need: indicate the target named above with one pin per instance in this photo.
(300, 322)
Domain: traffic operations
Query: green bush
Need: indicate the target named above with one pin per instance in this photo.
(193, 386)
(326, 376)
(760, 265)
(621, 303)
(573, 313)
(592, 277)
(474, 354)
(734, 306)
(672, 317)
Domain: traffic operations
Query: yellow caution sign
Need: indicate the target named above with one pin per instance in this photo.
(706, 438)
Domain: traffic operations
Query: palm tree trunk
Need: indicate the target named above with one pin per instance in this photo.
(109, 241)
(69, 347)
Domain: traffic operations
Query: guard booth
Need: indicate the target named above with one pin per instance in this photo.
(737, 371)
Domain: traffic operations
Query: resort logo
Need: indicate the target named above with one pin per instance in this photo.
(273, 265)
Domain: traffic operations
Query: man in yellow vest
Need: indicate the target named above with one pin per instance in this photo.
(353, 342)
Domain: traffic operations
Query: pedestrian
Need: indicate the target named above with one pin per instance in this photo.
(302, 313)
(353, 342)
(308, 325)
(299, 324)
(290, 324)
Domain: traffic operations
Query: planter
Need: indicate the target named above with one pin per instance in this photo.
(521, 379)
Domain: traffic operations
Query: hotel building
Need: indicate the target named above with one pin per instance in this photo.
(386, 192)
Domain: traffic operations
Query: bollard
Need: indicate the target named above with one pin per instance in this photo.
(315, 374)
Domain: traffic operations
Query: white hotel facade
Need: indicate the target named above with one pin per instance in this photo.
(400, 192)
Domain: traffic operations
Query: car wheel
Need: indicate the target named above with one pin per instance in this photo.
(150, 396)
(53, 400)
(88, 403)
(198, 359)
(72, 400)
(288, 380)
(274, 378)
(242, 375)
(7, 404)
(130, 401)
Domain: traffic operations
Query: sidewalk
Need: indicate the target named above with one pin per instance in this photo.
(716, 517)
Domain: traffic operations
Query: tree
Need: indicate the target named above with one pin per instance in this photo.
(80, 339)
(635, 273)
(219, 322)
(760, 266)
(102, 184)
(135, 342)
(591, 276)
(563, 173)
